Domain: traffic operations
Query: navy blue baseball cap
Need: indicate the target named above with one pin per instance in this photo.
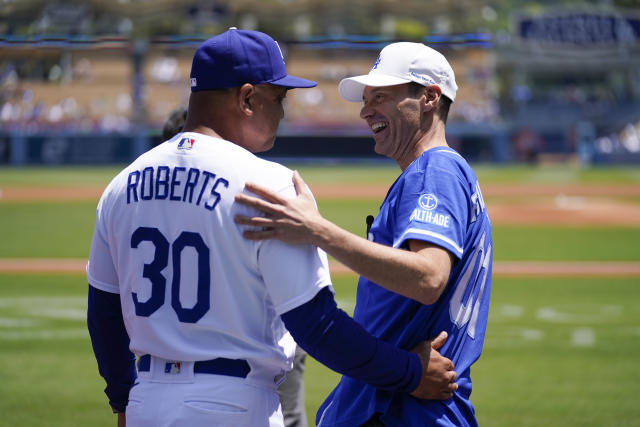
(236, 57)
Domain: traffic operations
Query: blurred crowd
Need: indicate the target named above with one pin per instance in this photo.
(42, 97)
(86, 94)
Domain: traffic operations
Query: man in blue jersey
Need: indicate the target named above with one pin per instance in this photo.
(426, 266)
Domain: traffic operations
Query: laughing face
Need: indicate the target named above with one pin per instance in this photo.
(393, 115)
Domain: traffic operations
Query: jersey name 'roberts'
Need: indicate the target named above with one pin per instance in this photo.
(179, 184)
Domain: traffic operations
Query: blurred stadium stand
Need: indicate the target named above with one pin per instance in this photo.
(85, 82)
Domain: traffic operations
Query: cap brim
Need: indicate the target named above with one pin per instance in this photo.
(351, 88)
(293, 82)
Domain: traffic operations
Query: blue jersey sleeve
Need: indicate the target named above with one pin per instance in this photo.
(110, 342)
(433, 205)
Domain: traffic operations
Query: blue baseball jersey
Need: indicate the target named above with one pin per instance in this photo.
(437, 199)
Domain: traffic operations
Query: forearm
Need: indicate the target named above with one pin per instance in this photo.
(407, 273)
(110, 342)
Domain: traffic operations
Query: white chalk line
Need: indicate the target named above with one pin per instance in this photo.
(580, 335)
(28, 318)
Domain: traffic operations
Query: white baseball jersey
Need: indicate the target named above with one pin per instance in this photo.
(191, 287)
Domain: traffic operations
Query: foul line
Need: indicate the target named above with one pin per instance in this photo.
(500, 268)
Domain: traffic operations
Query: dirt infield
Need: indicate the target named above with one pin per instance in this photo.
(500, 268)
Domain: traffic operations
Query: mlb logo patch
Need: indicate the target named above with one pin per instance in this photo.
(194, 82)
(172, 368)
(186, 144)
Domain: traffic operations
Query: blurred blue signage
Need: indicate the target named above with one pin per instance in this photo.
(580, 28)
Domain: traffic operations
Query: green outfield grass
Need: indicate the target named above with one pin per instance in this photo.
(552, 352)
(551, 348)
(55, 229)
(39, 229)
(559, 351)
(47, 373)
(81, 176)
(383, 173)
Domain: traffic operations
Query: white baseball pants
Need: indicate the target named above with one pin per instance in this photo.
(185, 399)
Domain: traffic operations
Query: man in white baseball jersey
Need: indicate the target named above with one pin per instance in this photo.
(205, 311)
(291, 390)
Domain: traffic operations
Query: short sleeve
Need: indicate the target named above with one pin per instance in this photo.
(293, 274)
(100, 269)
(433, 207)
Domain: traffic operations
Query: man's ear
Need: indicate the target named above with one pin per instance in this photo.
(432, 96)
(244, 98)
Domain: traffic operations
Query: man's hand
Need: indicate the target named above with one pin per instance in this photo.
(122, 420)
(294, 220)
(438, 377)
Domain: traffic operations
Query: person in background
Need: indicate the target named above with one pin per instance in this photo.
(174, 123)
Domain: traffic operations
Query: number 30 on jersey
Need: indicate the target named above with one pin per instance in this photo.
(153, 272)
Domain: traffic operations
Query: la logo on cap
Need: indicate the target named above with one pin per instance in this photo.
(375, 64)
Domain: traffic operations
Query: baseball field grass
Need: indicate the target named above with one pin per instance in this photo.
(561, 349)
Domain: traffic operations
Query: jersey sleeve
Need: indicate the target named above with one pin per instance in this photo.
(101, 272)
(433, 207)
(293, 274)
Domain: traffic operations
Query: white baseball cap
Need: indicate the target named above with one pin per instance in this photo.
(403, 62)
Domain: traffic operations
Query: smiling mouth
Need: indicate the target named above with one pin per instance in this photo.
(379, 127)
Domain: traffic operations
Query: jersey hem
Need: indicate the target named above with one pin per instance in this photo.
(429, 236)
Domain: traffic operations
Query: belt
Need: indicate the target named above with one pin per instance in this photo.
(220, 366)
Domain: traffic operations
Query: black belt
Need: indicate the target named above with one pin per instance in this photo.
(220, 366)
